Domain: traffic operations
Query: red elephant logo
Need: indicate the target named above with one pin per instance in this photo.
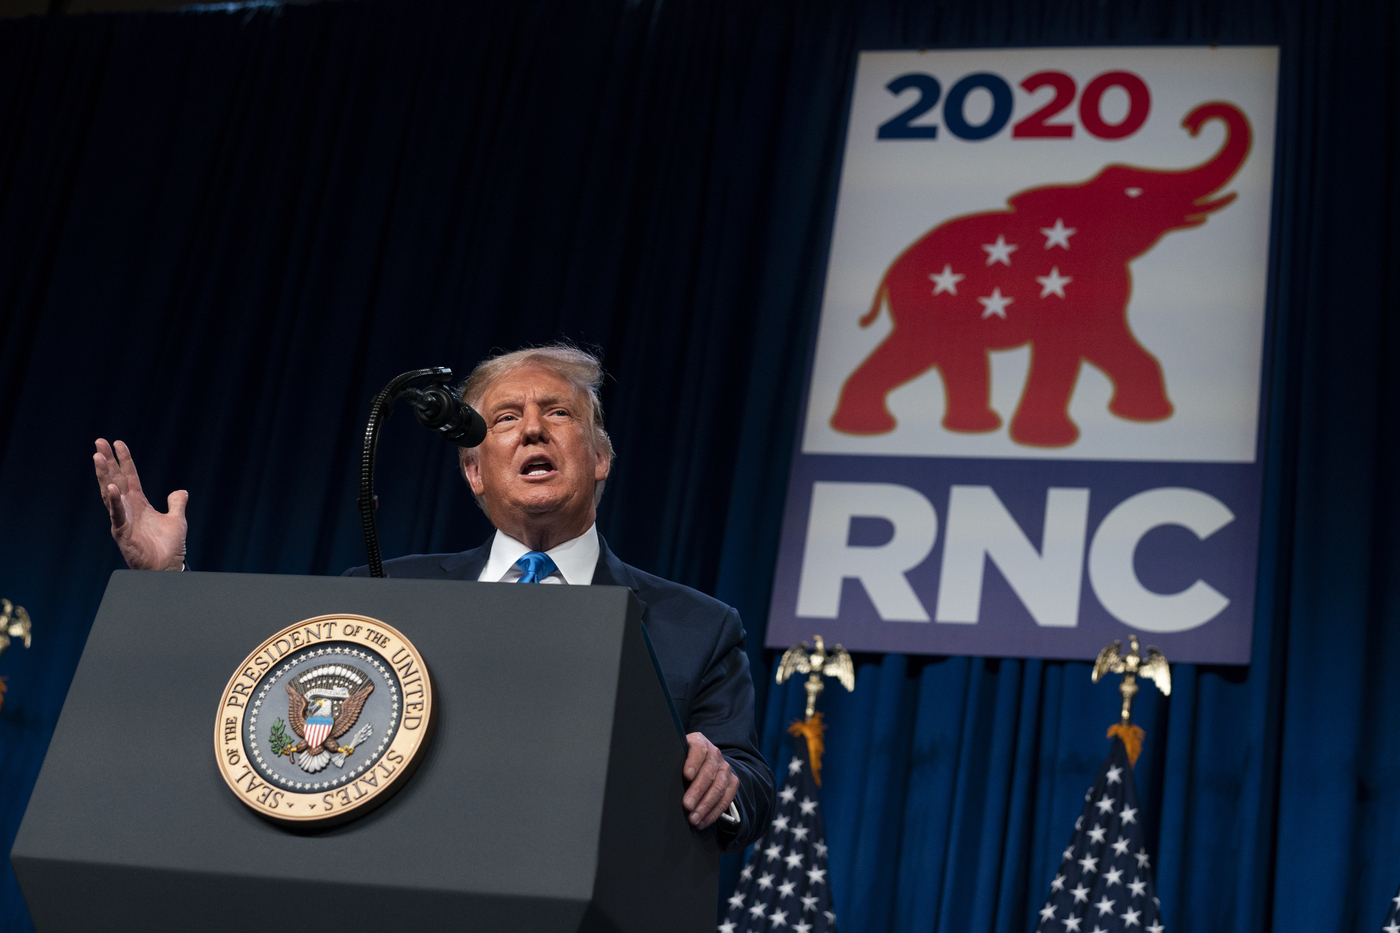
(1051, 272)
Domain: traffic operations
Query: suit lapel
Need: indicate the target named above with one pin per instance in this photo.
(467, 565)
(612, 572)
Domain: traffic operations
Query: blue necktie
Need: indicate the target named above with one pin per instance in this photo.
(535, 566)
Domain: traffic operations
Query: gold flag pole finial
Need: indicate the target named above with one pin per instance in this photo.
(1132, 665)
(834, 663)
(14, 625)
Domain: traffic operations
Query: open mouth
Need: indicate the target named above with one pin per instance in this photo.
(537, 466)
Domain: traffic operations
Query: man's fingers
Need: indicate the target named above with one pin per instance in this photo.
(176, 502)
(115, 508)
(99, 466)
(128, 467)
(701, 785)
(730, 792)
(710, 804)
(699, 747)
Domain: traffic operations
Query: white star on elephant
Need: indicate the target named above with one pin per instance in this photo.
(1058, 235)
(1053, 284)
(1000, 251)
(946, 281)
(995, 304)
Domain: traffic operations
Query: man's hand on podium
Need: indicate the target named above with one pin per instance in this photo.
(149, 540)
(712, 783)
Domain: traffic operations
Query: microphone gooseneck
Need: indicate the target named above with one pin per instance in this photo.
(436, 407)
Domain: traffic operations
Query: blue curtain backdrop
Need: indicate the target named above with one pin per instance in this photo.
(222, 231)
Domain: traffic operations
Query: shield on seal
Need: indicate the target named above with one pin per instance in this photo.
(318, 727)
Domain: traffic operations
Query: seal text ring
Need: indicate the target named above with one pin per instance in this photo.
(325, 720)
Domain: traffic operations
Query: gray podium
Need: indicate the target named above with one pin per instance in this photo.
(548, 800)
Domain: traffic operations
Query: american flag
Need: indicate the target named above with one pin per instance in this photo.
(1392, 917)
(1104, 882)
(784, 886)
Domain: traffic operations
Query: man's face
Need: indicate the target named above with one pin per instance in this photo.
(537, 468)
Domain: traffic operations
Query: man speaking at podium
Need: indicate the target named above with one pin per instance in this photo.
(538, 475)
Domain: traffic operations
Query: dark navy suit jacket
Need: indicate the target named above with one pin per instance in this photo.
(698, 641)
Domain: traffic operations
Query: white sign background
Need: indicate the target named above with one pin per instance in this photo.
(1198, 295)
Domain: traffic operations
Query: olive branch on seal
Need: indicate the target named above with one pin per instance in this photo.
(279, 738)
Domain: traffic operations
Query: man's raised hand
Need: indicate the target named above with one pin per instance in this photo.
(712, 783)
(149, 540)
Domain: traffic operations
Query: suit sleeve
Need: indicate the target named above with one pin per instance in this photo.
(723, 710)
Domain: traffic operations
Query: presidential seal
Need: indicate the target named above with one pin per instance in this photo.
(325, 720)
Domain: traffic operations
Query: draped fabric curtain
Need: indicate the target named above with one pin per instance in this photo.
(222, 231)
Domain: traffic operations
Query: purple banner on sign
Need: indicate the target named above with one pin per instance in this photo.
(1166, 551)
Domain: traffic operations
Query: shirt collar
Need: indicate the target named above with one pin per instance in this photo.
(575, 559)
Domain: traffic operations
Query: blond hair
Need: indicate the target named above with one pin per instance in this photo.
(579, 368)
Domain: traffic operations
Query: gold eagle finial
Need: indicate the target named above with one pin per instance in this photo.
(1132, 666)
(834, 663)
(14, 624)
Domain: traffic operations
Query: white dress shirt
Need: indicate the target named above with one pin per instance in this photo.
(574, 560)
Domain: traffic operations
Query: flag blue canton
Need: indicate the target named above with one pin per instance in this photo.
(784, 884)
(1392, 916)
(1104, 882)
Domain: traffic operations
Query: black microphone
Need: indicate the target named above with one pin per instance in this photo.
(436, 407)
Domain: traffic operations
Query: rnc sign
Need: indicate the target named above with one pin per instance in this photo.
(1034, 405)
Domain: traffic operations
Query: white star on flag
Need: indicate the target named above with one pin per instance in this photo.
(1392, 917)
(946, 281)
(1054, 284)
(1000, 251)
(1058, 235)
(995, 303)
